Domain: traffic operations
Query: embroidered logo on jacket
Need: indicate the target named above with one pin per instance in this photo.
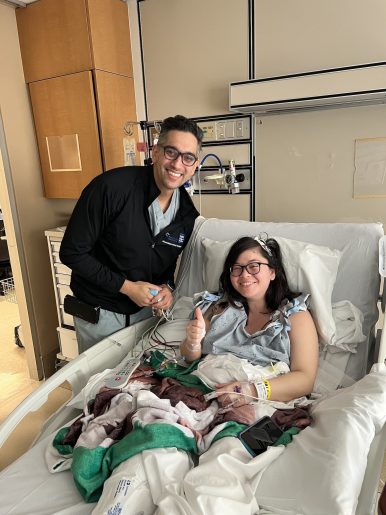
(175, 241)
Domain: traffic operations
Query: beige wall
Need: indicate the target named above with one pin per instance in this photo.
(305, 166)
(192, 50)
(305, 162)
(303, 35)
(36, 213)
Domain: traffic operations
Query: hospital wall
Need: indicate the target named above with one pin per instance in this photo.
(305, 162)
(35, 212)
(192, 50)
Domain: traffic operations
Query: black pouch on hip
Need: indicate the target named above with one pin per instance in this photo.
(80, 309)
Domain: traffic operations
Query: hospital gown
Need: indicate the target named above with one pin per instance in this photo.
(227, 333)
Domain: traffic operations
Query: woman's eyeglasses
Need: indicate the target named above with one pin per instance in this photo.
(172, 154)
(252, 268)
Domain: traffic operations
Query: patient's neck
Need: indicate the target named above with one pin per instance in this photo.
(258, 316)
(256, 306)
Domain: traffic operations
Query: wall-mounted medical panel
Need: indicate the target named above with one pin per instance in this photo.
(201, 181)
(226, 129)
(230, 207)
(225, 167)
(239, 152)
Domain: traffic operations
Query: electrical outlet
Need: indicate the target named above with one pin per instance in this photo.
(239, 128)
(230, 129)
(208, 130)
(220, 130)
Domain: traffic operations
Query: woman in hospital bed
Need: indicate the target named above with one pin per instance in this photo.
(257, 318)
(260, 319)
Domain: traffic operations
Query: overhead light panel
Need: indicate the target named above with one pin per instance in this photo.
(339, 87)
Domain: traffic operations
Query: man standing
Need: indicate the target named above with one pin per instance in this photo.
(126, 232)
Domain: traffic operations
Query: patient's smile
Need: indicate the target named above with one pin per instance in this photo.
(246, 283)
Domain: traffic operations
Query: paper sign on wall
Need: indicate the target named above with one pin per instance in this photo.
(370, 168)
(129, 151)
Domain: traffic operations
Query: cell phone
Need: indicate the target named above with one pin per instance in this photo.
(80, 309)
(257, 437)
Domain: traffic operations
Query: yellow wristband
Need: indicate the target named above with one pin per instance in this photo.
(267, 385)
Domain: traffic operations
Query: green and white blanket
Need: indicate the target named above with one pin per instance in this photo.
(130, 423)
(119, 424)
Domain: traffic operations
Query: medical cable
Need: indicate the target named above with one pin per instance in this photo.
(215, 394)
(152, 334)
(199, 173)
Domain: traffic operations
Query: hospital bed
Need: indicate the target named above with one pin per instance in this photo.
(338, 264)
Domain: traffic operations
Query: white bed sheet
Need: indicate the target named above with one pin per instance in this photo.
(28, 488)
(330, 463)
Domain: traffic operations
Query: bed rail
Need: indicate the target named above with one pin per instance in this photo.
(105, 354)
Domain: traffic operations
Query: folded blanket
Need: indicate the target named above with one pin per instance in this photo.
(349, 321)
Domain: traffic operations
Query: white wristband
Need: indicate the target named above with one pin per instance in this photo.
(261, 390)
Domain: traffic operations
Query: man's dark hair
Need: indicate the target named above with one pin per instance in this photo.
(180, 123)
(278, 289)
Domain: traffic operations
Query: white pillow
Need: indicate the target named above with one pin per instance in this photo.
(321, 471)
(309, 268)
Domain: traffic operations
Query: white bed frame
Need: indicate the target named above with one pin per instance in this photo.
(358, 281)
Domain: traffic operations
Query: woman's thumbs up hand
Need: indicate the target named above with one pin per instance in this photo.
(195, 330)
(190, 348)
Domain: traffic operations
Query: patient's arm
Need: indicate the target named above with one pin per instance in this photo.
(191, 347)
(304, 352)
(296, 383)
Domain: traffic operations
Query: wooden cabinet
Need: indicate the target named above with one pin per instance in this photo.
(59, 37)
(77, 62)
(64, 111)
(79, 120)
(115, 100)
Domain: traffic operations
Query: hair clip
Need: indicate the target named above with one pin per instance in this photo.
(264, 246)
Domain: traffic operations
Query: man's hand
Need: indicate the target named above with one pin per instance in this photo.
(143, 294)
(163, 299)
(139, 292)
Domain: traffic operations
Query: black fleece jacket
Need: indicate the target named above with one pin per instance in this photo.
(109, 239)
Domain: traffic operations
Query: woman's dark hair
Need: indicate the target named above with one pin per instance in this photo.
(278, 289)
(183, 124)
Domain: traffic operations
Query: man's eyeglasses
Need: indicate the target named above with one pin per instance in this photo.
(252, 268)
(172, 154)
